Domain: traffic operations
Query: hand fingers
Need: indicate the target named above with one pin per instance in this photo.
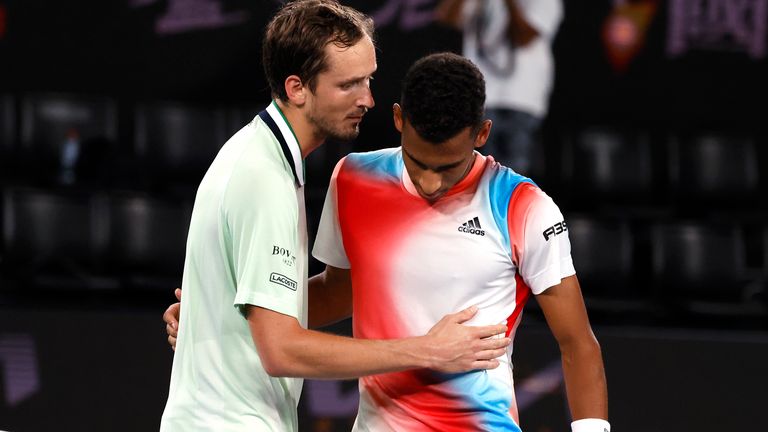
(170, 316)
(464, 315)
(490, 354)
(485, 364)
(171, 330)
(171, 320)
(490, 331)
(495, 343)
(172, 342)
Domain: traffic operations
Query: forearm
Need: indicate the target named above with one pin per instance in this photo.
(585, 380)
(448, 12)
(520, 32)
(326, 306)
(287, 349)
(563, 307)
(312, 354)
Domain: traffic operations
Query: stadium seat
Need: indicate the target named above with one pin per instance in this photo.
(605, 165)
(763, 289)
(715, 170)
(603, 254)
(50, 239)
(177, 141)
(146, 240)
(50, 123)
(700, 267)
(8, 138)
(7, 125)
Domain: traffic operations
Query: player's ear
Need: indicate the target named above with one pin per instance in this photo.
(482, 134)
(397, 116)
(296, 90)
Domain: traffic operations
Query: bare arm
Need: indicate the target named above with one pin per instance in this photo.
(330, 297)
(287, 349)
(520, 32)
(448, 12)
(585, 384)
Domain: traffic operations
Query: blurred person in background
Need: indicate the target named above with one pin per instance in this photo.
(510, 41)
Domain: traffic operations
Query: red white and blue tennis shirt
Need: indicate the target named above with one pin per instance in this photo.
(491, 241)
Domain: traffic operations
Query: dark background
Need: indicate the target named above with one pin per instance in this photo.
(670, 246)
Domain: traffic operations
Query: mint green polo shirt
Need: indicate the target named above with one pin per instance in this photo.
(247, 245)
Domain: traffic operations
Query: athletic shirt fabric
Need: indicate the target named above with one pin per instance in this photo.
(491, 241)
(247, 245)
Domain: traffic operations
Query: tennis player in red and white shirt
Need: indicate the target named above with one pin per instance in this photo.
(434, 226)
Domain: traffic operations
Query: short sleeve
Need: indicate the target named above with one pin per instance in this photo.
(541, 246)
(262, 220)
(329, 244)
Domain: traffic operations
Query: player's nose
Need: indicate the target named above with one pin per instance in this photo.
(430, 184)
(366, 100)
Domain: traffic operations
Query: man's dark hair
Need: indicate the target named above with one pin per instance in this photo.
(295, 40)
(442, 94)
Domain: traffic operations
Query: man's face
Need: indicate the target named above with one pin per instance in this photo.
(342, 92)
(435, 168)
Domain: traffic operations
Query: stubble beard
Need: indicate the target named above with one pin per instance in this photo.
(328, 130)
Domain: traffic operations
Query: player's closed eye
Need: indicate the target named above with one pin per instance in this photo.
(351, 84)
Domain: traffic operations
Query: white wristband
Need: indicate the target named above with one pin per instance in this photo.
(590, 425)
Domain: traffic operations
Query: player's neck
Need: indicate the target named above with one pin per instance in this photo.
(308, 140)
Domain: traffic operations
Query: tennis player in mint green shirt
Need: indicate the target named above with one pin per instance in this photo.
(247, 246)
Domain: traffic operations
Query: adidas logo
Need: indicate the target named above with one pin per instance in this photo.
(472, 226)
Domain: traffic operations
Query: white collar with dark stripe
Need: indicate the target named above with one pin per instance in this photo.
(278, 124)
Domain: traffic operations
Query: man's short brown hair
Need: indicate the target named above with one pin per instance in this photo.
(295, 40)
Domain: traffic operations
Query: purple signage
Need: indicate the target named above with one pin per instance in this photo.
(188, 15)
(18, 367)
(717, 25)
